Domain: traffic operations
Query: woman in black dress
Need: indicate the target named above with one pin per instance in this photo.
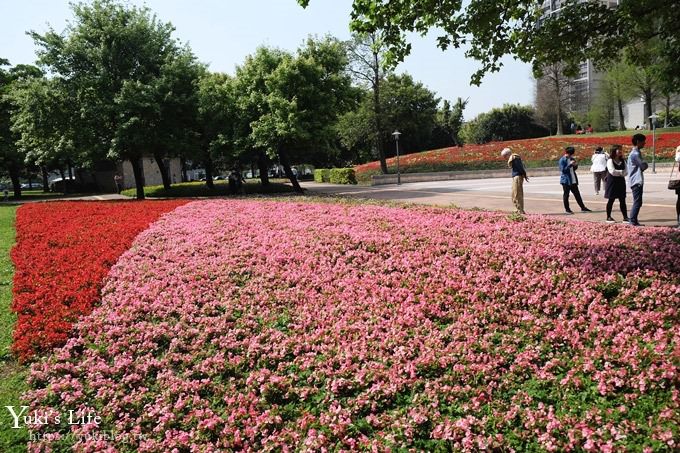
(615, 182)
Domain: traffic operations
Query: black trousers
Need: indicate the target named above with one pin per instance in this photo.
(566, 188)
(622, 205)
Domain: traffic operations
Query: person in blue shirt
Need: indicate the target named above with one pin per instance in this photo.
(569, 180)
(636, 178)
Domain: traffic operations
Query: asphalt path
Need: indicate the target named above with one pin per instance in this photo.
(542, 195)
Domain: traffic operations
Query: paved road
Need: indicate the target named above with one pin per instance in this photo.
(543, 195)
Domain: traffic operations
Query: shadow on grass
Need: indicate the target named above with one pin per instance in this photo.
(200, 189)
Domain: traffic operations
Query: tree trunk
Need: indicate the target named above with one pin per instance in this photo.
(16, 182)
(209, 171)
(648, 107)
(289, 173)
(263, 167)
(559, 119)
(163, 169)
(668, 110)
(70, 170)
(46, 182)
(63, 180)
(377, 112)
(183, 164)
(139, 177)
(622, 122)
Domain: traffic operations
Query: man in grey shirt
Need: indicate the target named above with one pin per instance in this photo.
(636, 178)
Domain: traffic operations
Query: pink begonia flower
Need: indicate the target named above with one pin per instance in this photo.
(262, 325)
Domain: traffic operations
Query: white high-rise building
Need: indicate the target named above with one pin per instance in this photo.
(584, 88)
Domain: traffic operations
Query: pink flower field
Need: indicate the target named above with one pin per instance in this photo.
(263, 325)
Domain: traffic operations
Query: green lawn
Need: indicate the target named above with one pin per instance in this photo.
(626, 133)
(199, 189)
(12, 374)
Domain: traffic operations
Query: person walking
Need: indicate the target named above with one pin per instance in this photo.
(615, 182)
(519, 175)
(636, 179)
(598, 168)
(569, 180)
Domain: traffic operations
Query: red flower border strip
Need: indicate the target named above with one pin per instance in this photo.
(63, 253)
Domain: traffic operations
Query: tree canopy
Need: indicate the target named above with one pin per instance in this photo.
(491, 29)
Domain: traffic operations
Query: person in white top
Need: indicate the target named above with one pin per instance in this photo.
(599, 168)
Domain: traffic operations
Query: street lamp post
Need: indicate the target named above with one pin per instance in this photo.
(653, 117)
(396, 135)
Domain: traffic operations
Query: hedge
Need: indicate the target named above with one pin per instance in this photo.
(322, 175)
(342, 176)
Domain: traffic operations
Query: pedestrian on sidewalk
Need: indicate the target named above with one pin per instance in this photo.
(636, 179)
(599, 168)
(519, 175)
(569, 180)
(615, 183)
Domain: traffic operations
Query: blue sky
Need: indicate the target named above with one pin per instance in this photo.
(222, 33)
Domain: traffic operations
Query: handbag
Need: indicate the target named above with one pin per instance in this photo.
(674, 184)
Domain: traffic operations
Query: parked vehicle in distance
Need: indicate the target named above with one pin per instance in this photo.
(34, 185)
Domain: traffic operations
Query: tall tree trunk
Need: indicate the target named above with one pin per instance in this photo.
(158, 156)
(622, 122)
(377, 113)
(183, 164)
(209, 171)
(63, 180)
(70, 169)
(263, 166)
(668, 110)
(139, 177)
(559, 119)
(289, 173)
(14, 173)
(648, 107)
(46, 182)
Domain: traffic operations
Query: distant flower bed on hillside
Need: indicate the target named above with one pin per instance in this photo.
(535, 153)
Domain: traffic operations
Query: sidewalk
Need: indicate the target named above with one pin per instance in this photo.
(542, 195)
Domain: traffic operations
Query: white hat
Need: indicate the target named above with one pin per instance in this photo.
(506, 152)
(677, 150)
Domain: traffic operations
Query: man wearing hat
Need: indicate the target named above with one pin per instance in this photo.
(519, 175)
(599, 168)
(569, 180)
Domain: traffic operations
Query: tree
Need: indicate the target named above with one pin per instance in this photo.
(616, 83)
(301, 100)
(365, 52)
(552, 93)
(493, 29)
(216, 118)
(448, 123)
(113, 59)
(12, 156)
(511, 122)
(406, 105)
(250, 89)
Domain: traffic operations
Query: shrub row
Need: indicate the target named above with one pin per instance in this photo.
(335, 175)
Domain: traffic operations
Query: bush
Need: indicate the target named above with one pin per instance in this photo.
(511, 122)
(322, 175)
(342, 176)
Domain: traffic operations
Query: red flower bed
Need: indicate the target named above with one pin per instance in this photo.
(64, 250)
(539, 151)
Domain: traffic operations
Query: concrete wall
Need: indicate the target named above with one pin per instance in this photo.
(151, 172)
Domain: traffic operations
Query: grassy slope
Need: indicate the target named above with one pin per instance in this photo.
(12, 375)
(199, 189)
